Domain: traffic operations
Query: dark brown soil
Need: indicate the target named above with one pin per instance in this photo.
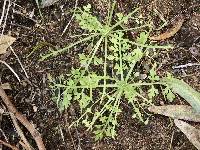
(32, 96)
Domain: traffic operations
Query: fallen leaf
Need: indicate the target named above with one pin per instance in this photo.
(185, 91)
(191, 132)
(46, 3)
(5, 42)
(6, 86)
(184, 112)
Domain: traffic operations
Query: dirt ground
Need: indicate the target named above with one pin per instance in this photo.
(32, 96)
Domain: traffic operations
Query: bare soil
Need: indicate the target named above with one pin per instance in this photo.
(32, 96)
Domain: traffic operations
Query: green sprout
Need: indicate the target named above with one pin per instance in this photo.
(100, 92)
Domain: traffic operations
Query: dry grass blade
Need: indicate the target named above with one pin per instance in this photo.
(5, 42)
(191, 132)
(184, 112)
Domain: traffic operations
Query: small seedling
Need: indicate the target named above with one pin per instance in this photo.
(100, 92)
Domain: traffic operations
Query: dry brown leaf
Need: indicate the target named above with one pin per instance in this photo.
(6, 86)
(191, 132)
(46, 3)
(5, 42)
(184, 112)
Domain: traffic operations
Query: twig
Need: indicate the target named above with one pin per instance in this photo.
(11, 70)
(11, 108)
(5, 137)
(6, 16)
(19, 62)
(19, 131)
(8, 145)
(186, 65)
(23, 145)
(3, 12)
(71, 18)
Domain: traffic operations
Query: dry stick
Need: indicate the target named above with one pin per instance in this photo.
(3, 12)
(6, 16)
(5, 137)
(8, 145)
(23, 145)
(20, 132)
(186, 65)
(36, 135)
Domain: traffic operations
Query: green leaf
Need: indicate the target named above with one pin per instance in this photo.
(117, 68)
(120, 16)
(153, 75)
(98, 61)
(86, 122)
(66, 99)
(142, 39)
(98, 134)
(88, 21)
(152, 92)
(137, 54)
(84, 101)
(170, 95)
(185, 91)
(70, 83)
(83, 59)
(103, 119)
(138, 114)
(111, 57)
(130, 93)
(87, 8)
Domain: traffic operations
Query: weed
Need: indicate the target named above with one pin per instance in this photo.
(100, 92)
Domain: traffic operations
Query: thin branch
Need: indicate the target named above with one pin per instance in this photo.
(8, 145)
(6, 17)
(186, 65)
(11, 108)
(20, 132)
(24, 145)
(3, 12)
